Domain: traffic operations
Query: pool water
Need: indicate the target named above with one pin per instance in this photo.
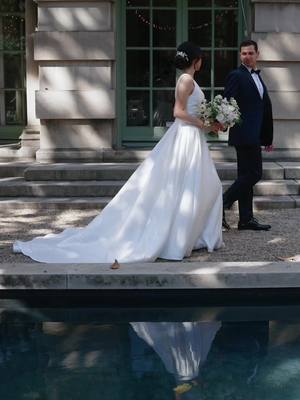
(235, 353)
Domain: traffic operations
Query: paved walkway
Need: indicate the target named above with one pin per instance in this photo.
(283, 240)
(248, 260)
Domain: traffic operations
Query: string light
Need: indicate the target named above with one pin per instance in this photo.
(170, 28)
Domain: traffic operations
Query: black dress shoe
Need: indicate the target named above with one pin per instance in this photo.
(253, 225)
(225, 224)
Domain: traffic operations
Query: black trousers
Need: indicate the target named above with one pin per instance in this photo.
(249, 166)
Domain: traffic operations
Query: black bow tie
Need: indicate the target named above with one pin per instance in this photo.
(255, 71)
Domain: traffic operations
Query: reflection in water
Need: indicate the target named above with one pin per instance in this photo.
(59, 358)
(182, 346)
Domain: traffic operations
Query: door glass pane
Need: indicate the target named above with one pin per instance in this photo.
(137, 67)
(203, 77)
(225, 61)
(164, 72)
(226, 3)
(200, 27)
(137, 28)
(12, 5)
(138, 107)
(163, 103)
(164, 3)
(138, 3)
(14, 110)
(207, 94)
(13, 32)
(13, 73)
(219, 91)
(164, 28)
(226, 24)
(200, 3)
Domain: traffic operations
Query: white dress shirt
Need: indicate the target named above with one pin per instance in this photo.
(257, 82)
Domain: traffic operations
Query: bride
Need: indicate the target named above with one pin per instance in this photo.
(171, 205)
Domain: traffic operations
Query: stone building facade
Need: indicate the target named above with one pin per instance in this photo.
(99, 76)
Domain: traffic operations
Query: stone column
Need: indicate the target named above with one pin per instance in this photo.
(30, 138)
(277, 31)
(75, 49)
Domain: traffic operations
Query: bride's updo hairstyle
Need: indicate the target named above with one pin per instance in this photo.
(186, 54)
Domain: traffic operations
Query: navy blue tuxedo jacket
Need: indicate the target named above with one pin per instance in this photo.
(256, 127)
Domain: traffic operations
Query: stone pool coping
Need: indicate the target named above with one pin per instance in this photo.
(159, 275)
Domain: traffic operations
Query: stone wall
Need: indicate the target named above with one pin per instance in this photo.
(277, 31)
(74, 46)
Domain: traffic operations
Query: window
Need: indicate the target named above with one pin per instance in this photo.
(12, 68)
(215, 25)
(149, 32)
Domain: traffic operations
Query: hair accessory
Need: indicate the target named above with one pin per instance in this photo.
(183, 54)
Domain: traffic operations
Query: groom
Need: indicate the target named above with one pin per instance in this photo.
(255, 130)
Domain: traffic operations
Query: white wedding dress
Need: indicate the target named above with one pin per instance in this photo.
(171, 205)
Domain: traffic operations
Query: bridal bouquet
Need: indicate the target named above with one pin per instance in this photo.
(220, 110)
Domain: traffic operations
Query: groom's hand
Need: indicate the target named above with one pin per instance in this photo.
(268, 149)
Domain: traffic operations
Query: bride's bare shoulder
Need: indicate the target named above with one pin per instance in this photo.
(185, 82)
(185, 78)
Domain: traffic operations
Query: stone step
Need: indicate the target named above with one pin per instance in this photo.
(80, 171)
(98, 203)
(53, 203)
(15, 154)
(273, 187)
(122, 171)
(291, 169)
(271, 171)
(9, 169)
(219, 152)
(13, 187)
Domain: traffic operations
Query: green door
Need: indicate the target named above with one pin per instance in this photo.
(149, 32)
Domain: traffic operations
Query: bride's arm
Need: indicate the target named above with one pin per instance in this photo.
(184, 89)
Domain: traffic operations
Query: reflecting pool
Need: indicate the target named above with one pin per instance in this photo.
(235, 353)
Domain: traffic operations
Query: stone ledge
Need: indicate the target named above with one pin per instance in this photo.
(285, 104)
(68, 16)
(160, 275)
(75, 104)
(61, 46)
(74, 155)
(278, 46)
(282, 17)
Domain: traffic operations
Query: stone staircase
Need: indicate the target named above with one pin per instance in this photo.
(92, 185)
